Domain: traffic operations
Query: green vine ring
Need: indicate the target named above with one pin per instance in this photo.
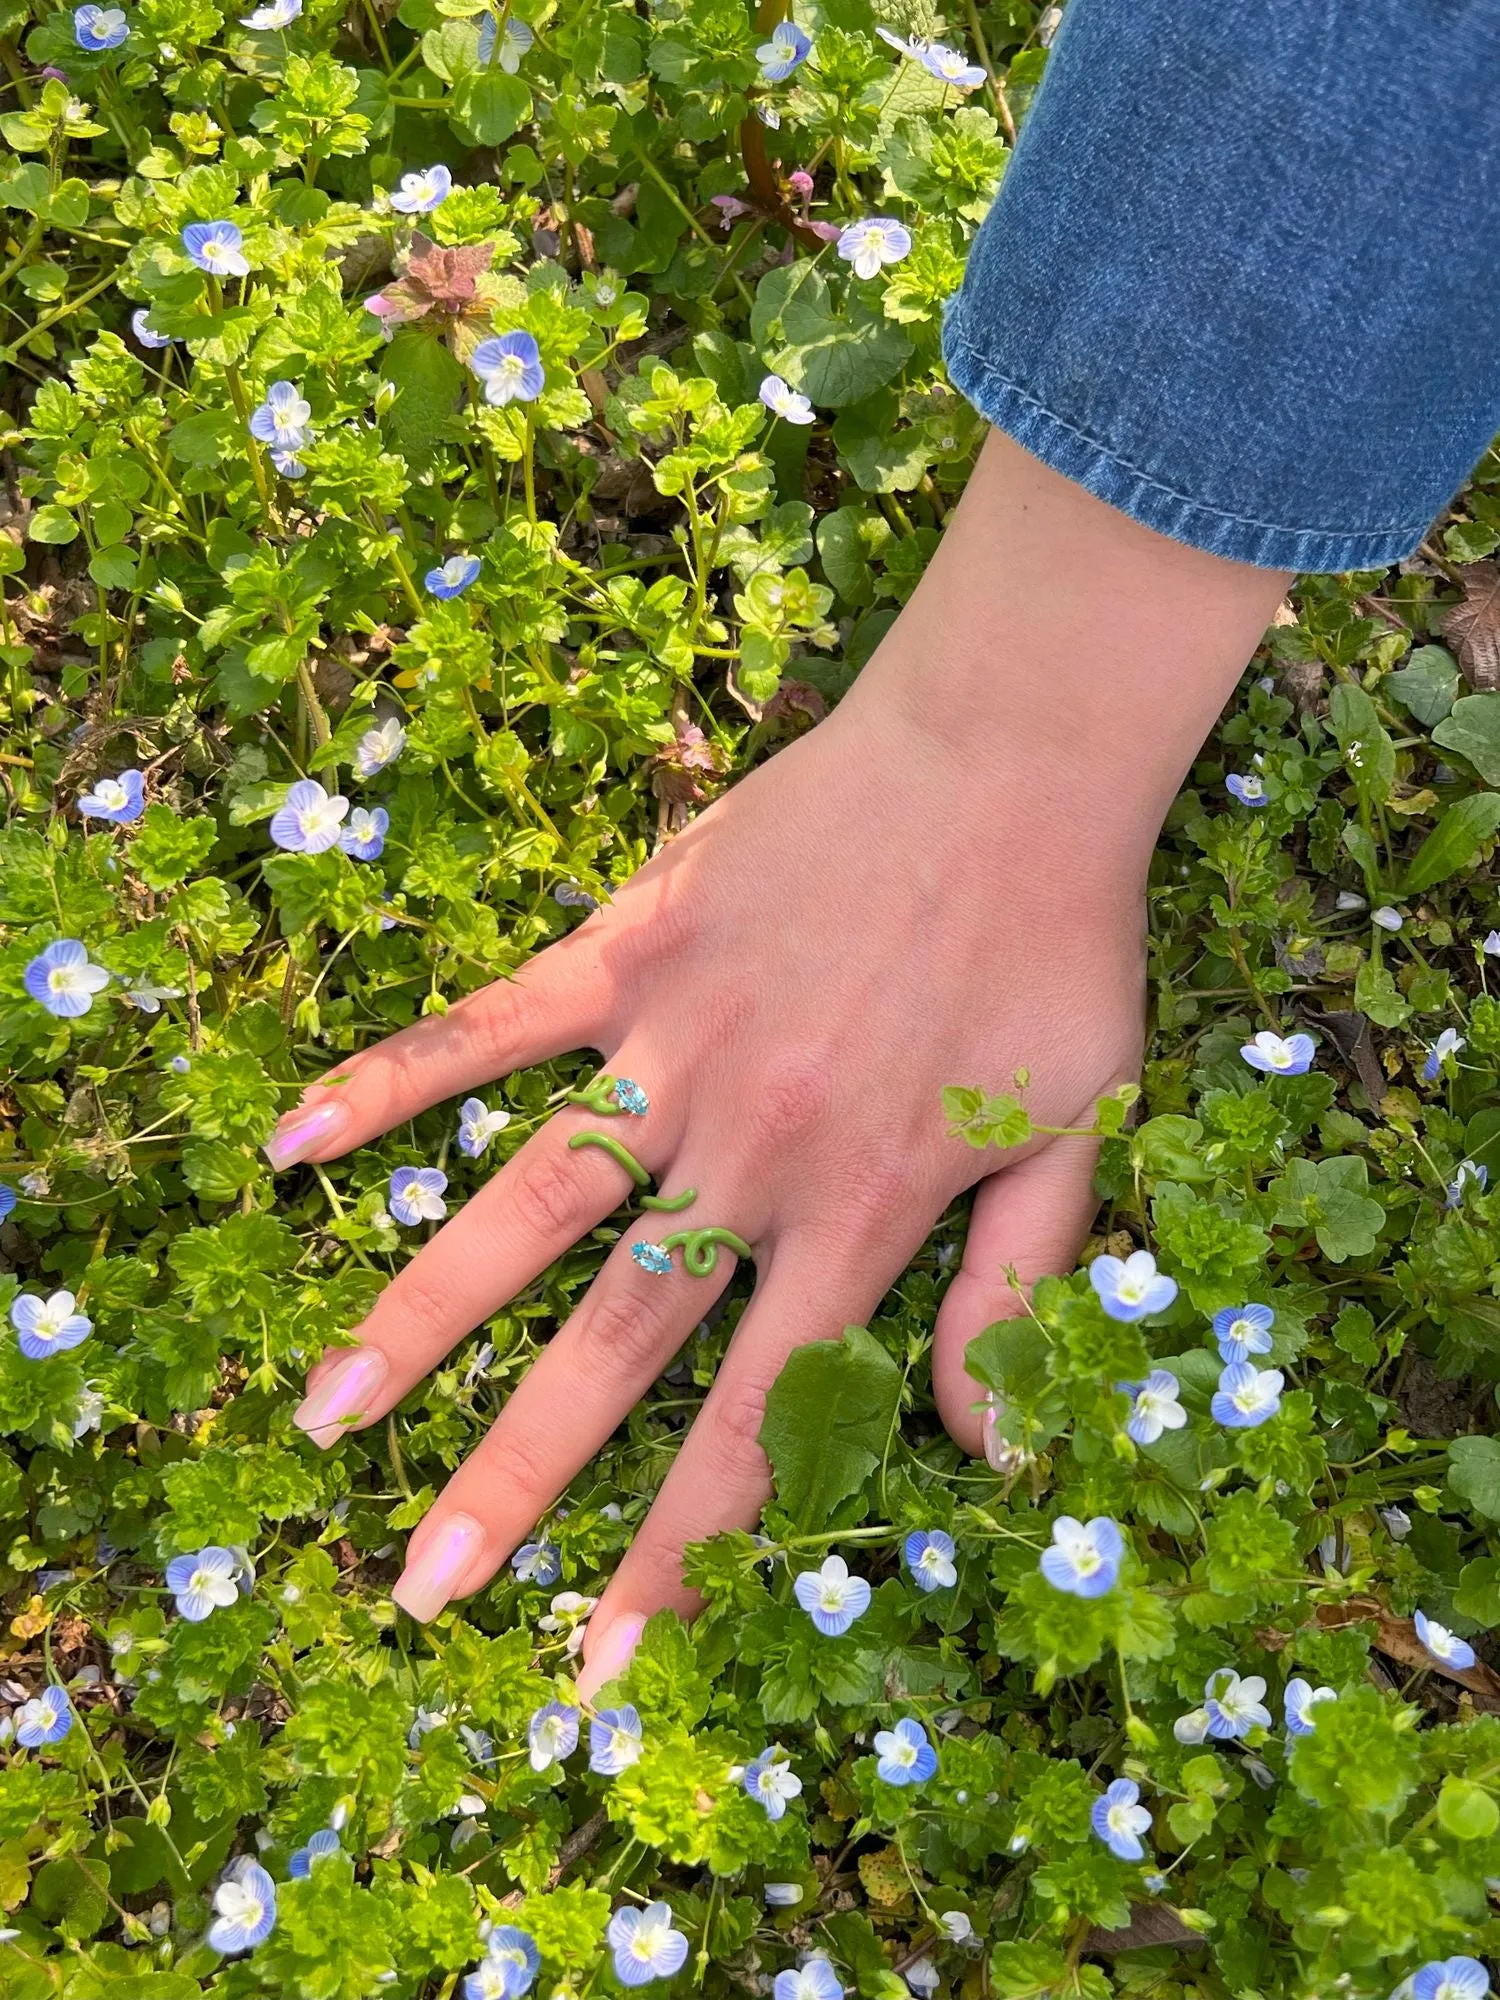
(700, 1251)
(622, 1155)
(608, 1096)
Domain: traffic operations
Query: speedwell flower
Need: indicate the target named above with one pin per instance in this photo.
(379, 746)
(1278, 1055)
(787, 403)
(452, 578)
(417, 1195)
(510, 367)
(477, 1125)
(1119, 1821)
(319, 1846)
(48, 1326)
(420, 194)
(44, 1720)
(280, 14)
(287, 463)
(216, 247)
(929, 1556)
(1246, 1397)
(644, 1944)
(1233, 1704)
(903, 1755)
(949, 66)
(1250, 790)
(8, 1200)
(1243, 1330)
(553, 1735)
(787, 50)
(1084, 1560)
(872, 243)
(203, 1583)
(364, 837)
(1131, 1288)
(119, 800)
(771, 1781)
(1450, 1979)
(1389, 919)
(1443, 1644)
(1154, 1407)
(281, 420)
(831, 1597)
(98, 28)
(513, 44)
(1448, 1043)
(1468, 1171)
(615, 1738)
(246, 1905)
(781, 1896)
(62, 980)
(816, 1980)
(146, 998)
(537, 1562)
(145, 333)
(1300, 1701)
(309, 822)
(509, 1967)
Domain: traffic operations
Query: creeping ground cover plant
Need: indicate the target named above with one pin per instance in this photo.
(446, 445)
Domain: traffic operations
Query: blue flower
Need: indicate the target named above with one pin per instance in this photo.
(537, 1562)
(216, 247)
(378, 747)
(1249, 790)
(949, 66)
(872, 243)
(644, 1944)
(145, 333)
(651, 1257)
(510, 368)
(630, 1097)
(1443, 1644)
(787, 50)
(1277, 1055)
(1450, 1979)
(1233, 1705)
(816, 1980)
(281, 420)
(903, 1755)
(8, 1200)
(309, 821)
(553, 1735)
(454, 576)
(1084, 1560)
(1131, 1288)
(1154, 1407)
(929, 1556)
(771, 1781)
(1300, 1700)
(831, 1597)
(1242, 1331)
(509, 1967)
(1468, 1171)
(1448, 1043)
(246, 1905)
(280, 14)
(320, 1845)
(287, 463)
(420, 194)
(1119, 1821)
(477, 1125)
(119, 800)
(513, 44)
(62, 980)
(1389, 919)
(1491, 945)
(44, 1720)
(615, 1741)
(98, 28)
(787, 403)
(364, 837)
(203, 1583)
(1246, 1397)
(146, 998)
(417, 1195)
(45, 1327)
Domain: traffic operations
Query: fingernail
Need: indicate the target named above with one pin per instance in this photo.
(612, 1654)
(999, 1454)
(345, 1393)
(305, 1130)
(425, 1586)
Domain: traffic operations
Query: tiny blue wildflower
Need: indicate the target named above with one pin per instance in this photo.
(420, 194)
(1084, 1560)
(98, 28)
(1300, 1700)
(553, 1735)
(119, 800)
(929, 1556)
(1119, 1821)
(62, 979)
(1443, 1644)
(146, 998)
(180, 1065)
(537, 1562)
(1469, 1173)
(1246, 1397)
(1233, 1704)
(1389, 919)
(378, 747)
(787, 403)
(477, 1125)
(1131, 1288)
(246, 1905)
(145, 333)
(453, 577)
(363, 839)
(203, 1583)
(287, 463)
(949, 66)
(831, 1597)
(781, 1896)
(280, 14)
(1242, 1331)
(816, 1980)
(615, 1739)
(44, 1720)
(1448, 1043)
(216, 247)
(1154, 1407)
(309, 821)
(8, 1199)
(651, 1257)
(282, 419)
(1250, 789)
(903, 1755)
(872, 243)
(510, 368)
(1458, 1978)
(1491, 945)
(320, 1845)
(787, 50)
(1277, 1055)
(771, 1781)
(644, 1944)
(513, 44)
(416, 1195)
(509, 1967)
(571, 897)
(630, 1097)
(48, 1326)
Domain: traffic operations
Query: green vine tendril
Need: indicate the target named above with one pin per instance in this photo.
(672, 1203)
(700, 1250)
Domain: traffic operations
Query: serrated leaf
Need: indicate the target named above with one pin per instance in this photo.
(829, 1418)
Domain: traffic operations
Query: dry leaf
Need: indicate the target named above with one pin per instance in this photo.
(1398, 1637)
(1150, 1924)
(1472, 628)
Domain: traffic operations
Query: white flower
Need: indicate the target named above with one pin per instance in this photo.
(788, 404)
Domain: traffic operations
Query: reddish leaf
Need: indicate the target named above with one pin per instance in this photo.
(1472, 628)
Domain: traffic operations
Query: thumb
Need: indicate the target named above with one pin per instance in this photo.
(1031, 1218)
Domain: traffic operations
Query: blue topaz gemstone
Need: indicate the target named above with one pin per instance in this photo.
(630, 1097)
(651, 1257)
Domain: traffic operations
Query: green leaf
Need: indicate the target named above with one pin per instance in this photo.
(1369, 755)
(1467, 1810)
(489, 105)
(430, 382)
(1330, 1196)
(829, 1418)
(167, 848)
(1473, 730)
(1474, 1473)
(54, 525)
(1426, 685)
(1454, 841)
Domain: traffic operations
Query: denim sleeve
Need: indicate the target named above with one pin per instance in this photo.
(1242, 279)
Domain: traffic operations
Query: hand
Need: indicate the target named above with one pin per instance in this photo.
(940, 884)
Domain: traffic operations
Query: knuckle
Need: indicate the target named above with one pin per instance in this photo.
(877, 1193)
(488, 1023)
(622, 1337)
(519, 1464)
(420, 1302)
(543, 1193)
(792, 1103)
(740, 1410)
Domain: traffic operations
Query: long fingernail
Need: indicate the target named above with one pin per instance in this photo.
(352, 1383)
(1000, 1455)
(306, 1130)
(612, 1654)
(425, 1586)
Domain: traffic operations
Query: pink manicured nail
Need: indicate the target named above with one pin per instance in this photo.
(425, 1586)
(611, 1655)
(306, 1130)
(352, 1383)
(1000, 1456)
